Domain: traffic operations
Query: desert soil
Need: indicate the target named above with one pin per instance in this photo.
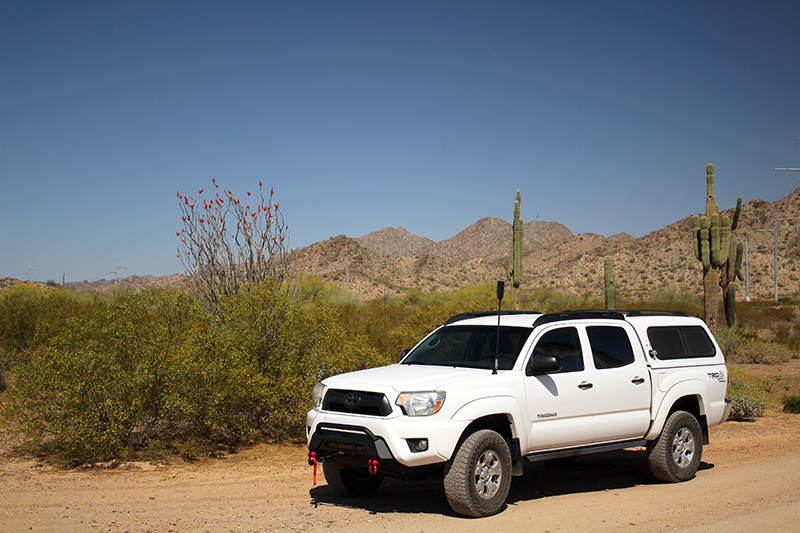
(749, 481)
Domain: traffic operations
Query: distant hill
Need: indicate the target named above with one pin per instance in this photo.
(391, 261)
(394, 242)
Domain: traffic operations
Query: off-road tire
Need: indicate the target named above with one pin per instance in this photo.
(477, 478)
(675, 456)
(351, 481)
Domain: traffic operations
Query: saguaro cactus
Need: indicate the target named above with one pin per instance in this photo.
(611, 288)
(514, 265)
(716, 248)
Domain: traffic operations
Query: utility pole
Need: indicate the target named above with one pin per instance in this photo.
(774, 231)
(790, 170)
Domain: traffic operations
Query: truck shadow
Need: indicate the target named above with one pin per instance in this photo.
(594, 473)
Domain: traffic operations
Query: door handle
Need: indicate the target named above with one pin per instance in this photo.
(585, 386)
(637, 380)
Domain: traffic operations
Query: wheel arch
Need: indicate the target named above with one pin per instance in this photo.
(690, 396)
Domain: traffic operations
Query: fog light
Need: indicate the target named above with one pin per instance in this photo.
(417, 445)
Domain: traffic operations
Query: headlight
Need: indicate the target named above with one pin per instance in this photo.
(319, 392)
(421, 403)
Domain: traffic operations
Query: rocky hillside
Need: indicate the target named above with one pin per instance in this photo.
(554, 257)
(391, 261)
(394, 242)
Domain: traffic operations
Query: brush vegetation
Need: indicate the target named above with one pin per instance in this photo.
(87, 378)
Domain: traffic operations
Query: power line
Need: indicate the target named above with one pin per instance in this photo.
(774, 231)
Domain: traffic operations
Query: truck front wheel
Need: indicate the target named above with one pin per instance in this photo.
(477, 478)
(675, 455)
(351, 481)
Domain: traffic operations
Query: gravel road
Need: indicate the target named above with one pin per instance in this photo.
(749, 481)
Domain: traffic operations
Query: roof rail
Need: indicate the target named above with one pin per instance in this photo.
(653, 312)
(579, 314)
(479, 314)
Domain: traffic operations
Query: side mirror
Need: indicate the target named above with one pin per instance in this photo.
(404, 353)
(543, 364)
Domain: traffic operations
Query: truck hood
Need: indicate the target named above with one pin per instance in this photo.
(404, 378)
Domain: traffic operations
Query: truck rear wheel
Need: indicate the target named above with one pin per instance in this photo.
(351, 481)
(477, 478)
(675, 456)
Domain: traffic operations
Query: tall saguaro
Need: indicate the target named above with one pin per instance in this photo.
(514, 265)
(716, 248)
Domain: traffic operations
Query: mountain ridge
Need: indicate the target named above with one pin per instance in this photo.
(390, 261)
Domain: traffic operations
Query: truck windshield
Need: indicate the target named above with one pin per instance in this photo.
(469, 346)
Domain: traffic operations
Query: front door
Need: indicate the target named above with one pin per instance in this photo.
(560, 405)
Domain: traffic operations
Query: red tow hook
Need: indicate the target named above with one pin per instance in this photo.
(373, 466)
(312, 460)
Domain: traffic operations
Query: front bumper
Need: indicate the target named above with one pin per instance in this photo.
(354, 440)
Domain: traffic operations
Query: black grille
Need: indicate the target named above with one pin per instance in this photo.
(357, 402)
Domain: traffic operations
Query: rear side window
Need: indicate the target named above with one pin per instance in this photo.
(680, 342)
(611, 347)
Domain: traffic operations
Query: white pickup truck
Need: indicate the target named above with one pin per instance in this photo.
(486, 391)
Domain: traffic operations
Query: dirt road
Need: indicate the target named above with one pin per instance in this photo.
(749, 481)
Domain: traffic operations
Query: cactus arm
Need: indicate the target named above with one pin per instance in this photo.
(696, 236)
(705, 251)
(739, 256)
(724, 238)
(736, 212)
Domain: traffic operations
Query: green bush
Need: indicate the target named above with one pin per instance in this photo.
(158, 366)
(754, 350)
(791, 404)
(30, 315)
(747, 394)
(729, 339)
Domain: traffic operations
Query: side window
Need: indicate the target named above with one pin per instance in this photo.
(680, 342)
(611, 347)
(564, 343)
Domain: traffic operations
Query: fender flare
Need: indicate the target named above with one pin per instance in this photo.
(690, 387)
(504, 405)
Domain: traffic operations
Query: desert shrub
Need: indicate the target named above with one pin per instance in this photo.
(550, 300)
(669, 300)
(747, 395)
(292, 343)
(30, 315)
(103, 382)
(755, 350)
(729, 339)
(159, 366)
(791, 404)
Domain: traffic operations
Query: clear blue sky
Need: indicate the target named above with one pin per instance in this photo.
(362, 115)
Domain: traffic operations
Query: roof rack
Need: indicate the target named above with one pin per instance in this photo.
(479, 314)
(579, 314)
(653, 312)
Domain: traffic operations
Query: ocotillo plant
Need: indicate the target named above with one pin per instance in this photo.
(227, 245)
(716, 248)
(514, 266)
(611, 288)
